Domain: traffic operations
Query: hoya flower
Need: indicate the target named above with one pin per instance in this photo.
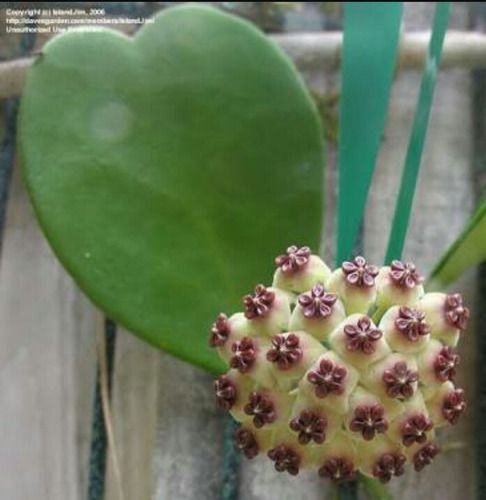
(345, 372)
(355, 283)
(400, 283)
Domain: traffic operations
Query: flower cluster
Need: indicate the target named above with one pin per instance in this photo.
(343, 371)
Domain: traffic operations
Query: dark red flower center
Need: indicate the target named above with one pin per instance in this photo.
(245, 441)
(399, 381)
(456, 313)
(359, 273)
(445, 364)
(390, 464)
(294, 259)
(338, 469)
(225, 391)
(285, 351)
(219, 331)
(311, 427)
(260, 303)
(362, 336)
(328, 378)
(369, 420)
(453, 406)
(244, 354)
(317, 303)
(285, 458)
(414, 429)
(411, 322)
(404, 274)
(425, 456)
(261, 407)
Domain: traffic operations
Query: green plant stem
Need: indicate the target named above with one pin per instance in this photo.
(374, 489)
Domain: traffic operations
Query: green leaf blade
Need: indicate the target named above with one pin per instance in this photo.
(468, 250)
(167, 171)
(413, 158)
(371, 36)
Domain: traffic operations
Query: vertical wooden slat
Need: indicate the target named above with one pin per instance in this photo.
(168, 430)
(46, 366)
(134, 409)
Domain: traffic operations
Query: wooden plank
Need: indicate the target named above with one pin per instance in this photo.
(47, 366)
(134, 409)
(167, 427)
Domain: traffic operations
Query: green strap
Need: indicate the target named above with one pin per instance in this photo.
(371, 35)
(417, 138)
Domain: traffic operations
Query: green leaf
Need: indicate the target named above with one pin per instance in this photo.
(371, 35)
(168, 170)
(403, 206)
(467, 251)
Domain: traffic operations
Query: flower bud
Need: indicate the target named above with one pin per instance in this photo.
(367, 416)
(436, 364)
(399, 284)
(225, 331)
(288, 454)
(269, 408)
(355, 284)
(298, 270)
(329, 382)
(421, 455)
(248, 356)
(413, 425)
(290, 355)
(395, 377)
(267, 310)
(447, 405)
(312, 422)
(252, 441)
(337, 459)
(405, 329)
(358, 341)
(381, 459)
(317, 312)
(446, 315)
(232, 391)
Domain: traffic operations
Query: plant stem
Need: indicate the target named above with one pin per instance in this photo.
(374, 489)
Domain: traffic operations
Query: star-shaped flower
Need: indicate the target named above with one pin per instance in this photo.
(453, 406)
(310, 426)
(328, 378)
(405, 274)
(399, 381)
(456, 313)
(390, 464)
(260, 303)
(411, 322)
(294, 259)
(359, 273)
(285, 458)
(369, 420)
(285, 351)
(362, 336)
(445, 364)
(219, 331)
(317, 303)
(338, 469)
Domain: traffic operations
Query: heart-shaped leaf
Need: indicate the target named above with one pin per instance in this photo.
(168, 170)
(468, 250)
